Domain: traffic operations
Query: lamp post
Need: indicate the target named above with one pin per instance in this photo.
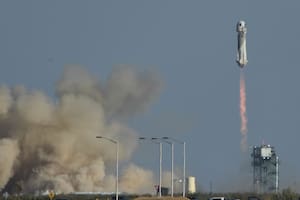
(117, 162)
(184, 179)
(160, 161)
(172, 163)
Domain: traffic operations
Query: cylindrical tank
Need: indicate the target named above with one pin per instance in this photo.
(191, 184)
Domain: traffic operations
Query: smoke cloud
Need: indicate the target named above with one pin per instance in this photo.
(128, 93)
(243, 115)
(137, 179)
(50, 144)
(8, 155)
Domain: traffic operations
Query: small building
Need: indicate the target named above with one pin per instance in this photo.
(164, 190)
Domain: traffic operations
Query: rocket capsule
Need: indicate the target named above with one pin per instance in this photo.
(241, 29)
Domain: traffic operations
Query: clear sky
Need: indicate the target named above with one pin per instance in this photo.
(192, 46)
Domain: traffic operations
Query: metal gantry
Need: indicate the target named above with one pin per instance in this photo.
(265, 169)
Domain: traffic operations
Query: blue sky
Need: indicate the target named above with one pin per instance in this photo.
(192, 46)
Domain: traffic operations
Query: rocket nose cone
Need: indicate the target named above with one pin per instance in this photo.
(241, 26)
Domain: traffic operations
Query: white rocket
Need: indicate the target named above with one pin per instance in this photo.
(241, 29)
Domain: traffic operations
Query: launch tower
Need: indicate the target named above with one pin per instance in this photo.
(265, 169)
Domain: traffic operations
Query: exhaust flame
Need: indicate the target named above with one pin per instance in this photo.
(243, 115)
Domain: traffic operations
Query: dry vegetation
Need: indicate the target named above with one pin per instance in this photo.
(163, 198)
(286, 194)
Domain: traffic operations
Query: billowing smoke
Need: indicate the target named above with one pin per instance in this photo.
(51, 144)
(136, 179)
(8, 155)
(243, 115)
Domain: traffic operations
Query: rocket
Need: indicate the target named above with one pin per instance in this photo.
(241, 29)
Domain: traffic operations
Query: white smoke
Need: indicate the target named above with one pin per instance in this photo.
(47, 144)
(137, 179)
(5, 100)
(128, 93)
(8, 157)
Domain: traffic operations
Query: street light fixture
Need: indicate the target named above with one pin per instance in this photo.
(117, 162)
(184, 179)
(160, 160)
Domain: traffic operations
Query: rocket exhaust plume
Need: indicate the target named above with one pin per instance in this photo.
(50, 145)
(243, 110)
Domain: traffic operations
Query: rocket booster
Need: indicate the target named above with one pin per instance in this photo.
(241, 29)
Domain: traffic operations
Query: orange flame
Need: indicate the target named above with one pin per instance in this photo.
(243, 115)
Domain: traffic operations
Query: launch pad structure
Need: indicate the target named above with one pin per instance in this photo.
(265, 169)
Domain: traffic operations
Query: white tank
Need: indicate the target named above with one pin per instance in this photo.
(191, 184)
